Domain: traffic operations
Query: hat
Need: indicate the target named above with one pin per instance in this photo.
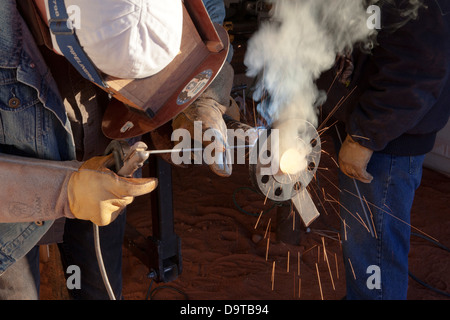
(129, 39)
(157, 56)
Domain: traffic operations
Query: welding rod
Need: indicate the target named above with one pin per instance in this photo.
(173, 150)
(189, 150)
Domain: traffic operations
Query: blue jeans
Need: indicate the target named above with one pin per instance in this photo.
(217, 13)
(216, 10)
(376, 235)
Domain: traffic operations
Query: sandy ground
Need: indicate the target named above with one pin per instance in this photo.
(224, 257)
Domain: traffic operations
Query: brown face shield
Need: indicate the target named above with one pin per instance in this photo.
(142, 105)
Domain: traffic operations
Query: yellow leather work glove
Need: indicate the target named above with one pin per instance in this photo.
(97, 194)
(353, 160)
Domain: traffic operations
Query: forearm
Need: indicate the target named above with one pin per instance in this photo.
(34, 189)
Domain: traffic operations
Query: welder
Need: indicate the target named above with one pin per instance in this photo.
(56, 181)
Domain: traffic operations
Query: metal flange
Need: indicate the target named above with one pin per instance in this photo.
(265, 173)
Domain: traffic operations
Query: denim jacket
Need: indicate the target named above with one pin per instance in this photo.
(33, 120)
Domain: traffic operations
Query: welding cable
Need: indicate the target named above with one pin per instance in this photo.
(151, 292)
(426, 285)
(101, 265)
(98, 250)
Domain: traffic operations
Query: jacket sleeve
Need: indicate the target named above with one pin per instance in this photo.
(412, 66)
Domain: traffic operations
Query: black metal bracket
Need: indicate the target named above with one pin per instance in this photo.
(161, 252)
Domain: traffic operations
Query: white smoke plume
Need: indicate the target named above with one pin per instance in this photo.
(288, 54)
(290, 51)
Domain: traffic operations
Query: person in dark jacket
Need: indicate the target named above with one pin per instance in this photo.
(398, 98)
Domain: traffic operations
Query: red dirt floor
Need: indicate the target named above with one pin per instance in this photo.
(225, 258)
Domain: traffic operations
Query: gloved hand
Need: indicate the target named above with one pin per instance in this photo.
(210, 113)
(209, 108)
(353, 160)
(97, 194)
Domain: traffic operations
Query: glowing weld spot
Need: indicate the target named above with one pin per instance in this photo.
(292, 161)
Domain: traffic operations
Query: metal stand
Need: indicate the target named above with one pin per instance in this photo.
(161, 252)
(288, 224)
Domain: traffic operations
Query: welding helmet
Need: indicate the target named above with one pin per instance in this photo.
(153, 57)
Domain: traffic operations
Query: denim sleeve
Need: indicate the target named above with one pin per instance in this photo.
(217, 13)
(216, 10)
(19, 238)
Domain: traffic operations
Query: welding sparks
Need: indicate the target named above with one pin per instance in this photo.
(320, 283)
(328, 263)
(259, 218)
(351, 266)
(273, 275)
(288, 261)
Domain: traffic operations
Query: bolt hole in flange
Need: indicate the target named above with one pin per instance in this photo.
(278, 191)
(265, 179)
